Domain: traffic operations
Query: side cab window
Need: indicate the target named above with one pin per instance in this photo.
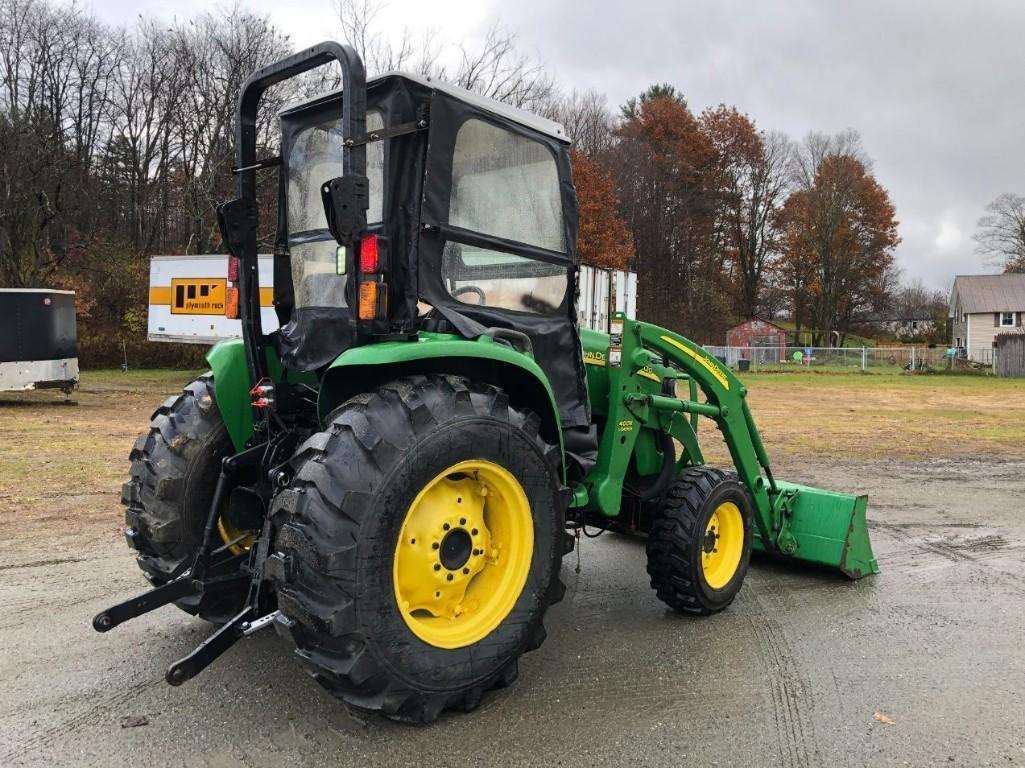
(505, 189)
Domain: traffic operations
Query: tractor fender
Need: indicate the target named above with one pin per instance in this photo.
(227, 361)
(364, 368)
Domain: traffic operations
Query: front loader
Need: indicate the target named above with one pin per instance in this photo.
(392, 478)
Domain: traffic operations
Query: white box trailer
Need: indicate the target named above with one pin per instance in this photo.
(38, 339)
(186, 298)
(187, 294)
(600, 292)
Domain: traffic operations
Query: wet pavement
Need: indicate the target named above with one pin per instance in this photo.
(804, 669)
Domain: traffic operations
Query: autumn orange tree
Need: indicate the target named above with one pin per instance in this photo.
(661, 163)
(839, 230)
(748, 182)
(603, 239)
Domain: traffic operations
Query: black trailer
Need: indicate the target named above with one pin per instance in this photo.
(38, 339)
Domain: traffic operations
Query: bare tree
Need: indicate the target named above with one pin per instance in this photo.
(1001, 235)
(55, 64)
(497, 68)
(219, 52)
(808, 156)
(360, 20)
(587, 119)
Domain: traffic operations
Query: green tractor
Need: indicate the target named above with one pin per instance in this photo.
(392, 478)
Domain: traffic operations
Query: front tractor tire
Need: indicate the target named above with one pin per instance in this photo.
(174, 470)
(419, 546)
(699, 542)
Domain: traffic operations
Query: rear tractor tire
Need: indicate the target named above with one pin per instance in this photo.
(419, 546)
(699, 543)
(167, 498)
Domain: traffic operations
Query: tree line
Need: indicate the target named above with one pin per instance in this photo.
(116, 144)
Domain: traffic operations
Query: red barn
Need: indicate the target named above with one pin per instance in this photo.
(759, 333)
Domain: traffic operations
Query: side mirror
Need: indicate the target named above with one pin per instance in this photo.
(346, 200)
(237, 220)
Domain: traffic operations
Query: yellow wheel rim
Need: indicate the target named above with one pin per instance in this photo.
(241, 541)
(463, 554)
(723, 545)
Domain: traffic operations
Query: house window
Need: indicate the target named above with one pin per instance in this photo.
(958, 345)
(1007, 319)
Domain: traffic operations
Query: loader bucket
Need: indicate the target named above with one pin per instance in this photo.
(827, 528)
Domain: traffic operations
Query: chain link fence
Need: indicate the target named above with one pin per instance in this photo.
(872, 359)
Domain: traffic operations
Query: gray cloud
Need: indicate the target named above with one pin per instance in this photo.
(935, 88)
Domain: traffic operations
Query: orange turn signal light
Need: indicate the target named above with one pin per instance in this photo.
(368, 300)
(231, 303)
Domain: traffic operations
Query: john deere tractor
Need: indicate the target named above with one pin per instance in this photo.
(392, 478)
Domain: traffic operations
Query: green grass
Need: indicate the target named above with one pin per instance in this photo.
(848, 377)
(114, 379)
(856, 415)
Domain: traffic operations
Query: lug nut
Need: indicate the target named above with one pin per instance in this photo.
(437, 566)
(435, 545)
(449, 577)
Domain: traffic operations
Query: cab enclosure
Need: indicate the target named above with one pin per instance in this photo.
(470, 229)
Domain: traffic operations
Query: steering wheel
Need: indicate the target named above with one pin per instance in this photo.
(481, 298)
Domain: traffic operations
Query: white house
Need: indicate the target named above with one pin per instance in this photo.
(981, 308)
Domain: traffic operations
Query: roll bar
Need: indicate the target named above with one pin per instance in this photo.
(239, 218)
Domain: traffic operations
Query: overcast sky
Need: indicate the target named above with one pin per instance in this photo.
(937, 89)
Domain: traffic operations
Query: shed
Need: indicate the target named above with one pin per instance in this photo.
(757, 339)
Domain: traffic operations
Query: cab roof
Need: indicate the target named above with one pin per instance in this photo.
(537, 123)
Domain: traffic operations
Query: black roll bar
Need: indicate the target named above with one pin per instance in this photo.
(354, 161)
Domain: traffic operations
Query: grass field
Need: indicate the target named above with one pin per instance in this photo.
(857, 415)
(66, 462)
(73, 458)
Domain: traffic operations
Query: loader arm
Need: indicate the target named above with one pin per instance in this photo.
(801, 522)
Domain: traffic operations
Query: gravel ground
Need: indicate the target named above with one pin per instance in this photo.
(921, 665)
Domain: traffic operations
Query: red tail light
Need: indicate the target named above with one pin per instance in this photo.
(233, 269)
(369, 261)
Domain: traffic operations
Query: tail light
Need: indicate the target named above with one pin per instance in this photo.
(231, 291)
(373, 268)
(369, 255)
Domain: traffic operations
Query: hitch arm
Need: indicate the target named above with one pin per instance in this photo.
(183, 586)
(208, 651)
